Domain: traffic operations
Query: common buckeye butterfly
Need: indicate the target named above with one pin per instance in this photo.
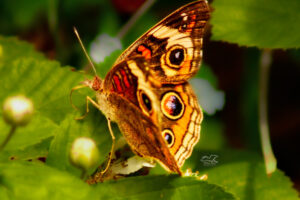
(147, 91)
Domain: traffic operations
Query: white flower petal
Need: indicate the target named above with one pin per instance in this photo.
(103, 46)
(131, 165)
(210, 99)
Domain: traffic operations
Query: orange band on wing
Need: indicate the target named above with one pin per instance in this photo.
(117, 83)
(186, 65)
(192, 24)
(125, 78)
(145, 51)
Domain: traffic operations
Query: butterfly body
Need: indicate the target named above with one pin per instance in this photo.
(147, 91)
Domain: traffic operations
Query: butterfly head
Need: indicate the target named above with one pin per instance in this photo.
(95, 84)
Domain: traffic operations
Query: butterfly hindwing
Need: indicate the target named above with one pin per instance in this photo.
(168, 117)
(141, 133)
(181, 119)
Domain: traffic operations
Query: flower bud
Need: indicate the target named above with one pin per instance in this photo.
(17, 110)
(84, 153)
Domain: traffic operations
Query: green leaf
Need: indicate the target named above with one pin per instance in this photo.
(49, 86)
(263, 24)
(45, 82)
(61, 144)
(37, 130)
(33, 180)
(11, 49)
(161, 187)
(243, 174)
(212, 136)
(39, 150)
(24, 71)
(93, 126)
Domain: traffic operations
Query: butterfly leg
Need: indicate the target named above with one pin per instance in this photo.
(73, 89)
(88, 99)
(112, 147)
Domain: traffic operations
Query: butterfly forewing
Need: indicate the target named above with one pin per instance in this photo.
(172, 48)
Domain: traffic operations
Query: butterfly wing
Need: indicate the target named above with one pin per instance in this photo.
(141, 133)
(129, 100)
(180, 120)
(172, 48)
(162, 123)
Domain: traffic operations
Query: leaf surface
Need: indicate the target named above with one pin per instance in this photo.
(263, 24)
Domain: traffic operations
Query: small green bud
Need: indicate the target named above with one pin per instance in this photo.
(84, 153)
(17, 110)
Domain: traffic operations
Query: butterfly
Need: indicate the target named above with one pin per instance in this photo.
(147, 91)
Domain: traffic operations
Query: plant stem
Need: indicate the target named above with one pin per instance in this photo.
(265, 64)
(10, 134)
(134, 18)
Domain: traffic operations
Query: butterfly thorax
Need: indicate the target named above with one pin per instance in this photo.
(107, 107)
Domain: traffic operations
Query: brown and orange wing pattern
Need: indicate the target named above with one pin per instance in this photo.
(172, 48)
(162, 123)
(137, 111)
(181, 120)
(141, 133)
(154, 105)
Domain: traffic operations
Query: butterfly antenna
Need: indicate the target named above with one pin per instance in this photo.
(84, 50)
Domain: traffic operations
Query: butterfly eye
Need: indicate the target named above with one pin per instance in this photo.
(169, 137)
(145, 102)
(175, 56)
(172, 105)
